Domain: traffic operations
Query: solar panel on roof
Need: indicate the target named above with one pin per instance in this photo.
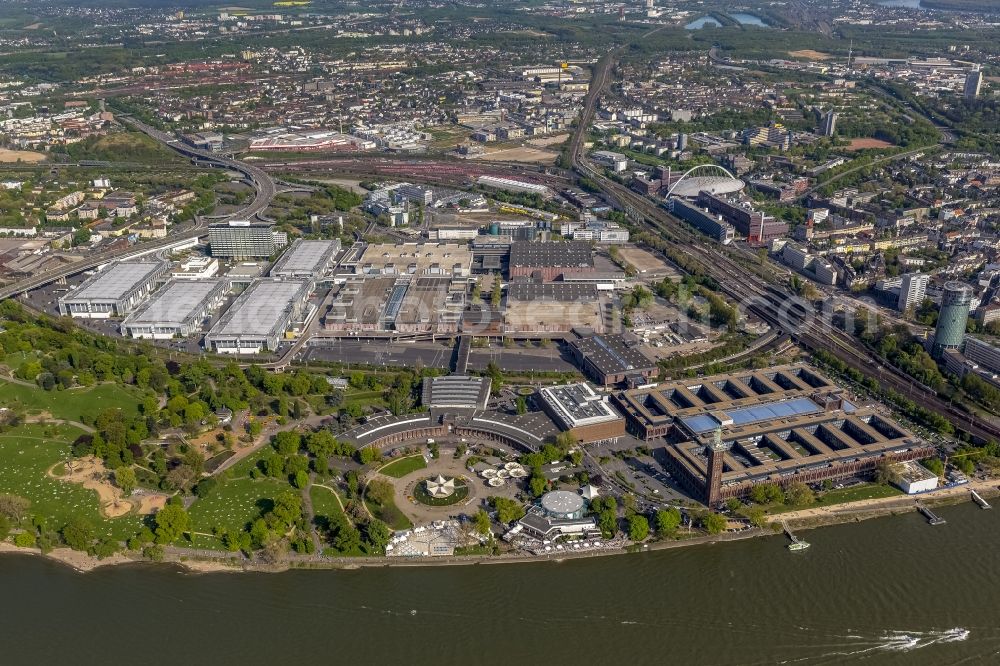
(755, 414)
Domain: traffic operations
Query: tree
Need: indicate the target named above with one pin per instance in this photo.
(667, 520)
(713, 523)
(14, 507)
(767, 493)
(171, 522)
(756, 515)
(367, 454)
(25, 540)
(934, 464)
(537, 485)
(638, 527)
(126, 480)
(799, 494)
(482, 522)
(508, 510)
(300, 479)
(287, 442)
(379, 491)
(377, 534)
(4, 527)
(78, 533)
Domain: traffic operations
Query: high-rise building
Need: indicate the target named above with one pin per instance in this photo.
(829, 123)
(956, 301)
(682, 141)
(242, 239)
(973, 83)
(913, 291)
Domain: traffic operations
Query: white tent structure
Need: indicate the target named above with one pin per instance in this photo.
(440, 487)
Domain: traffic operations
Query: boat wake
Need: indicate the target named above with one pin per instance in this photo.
(905, 641)
(857, 647)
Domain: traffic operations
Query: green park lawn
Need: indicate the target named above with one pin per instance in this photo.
(324, 501)
(400, 468)
(77, 404)
(234, 503)
(864, 491)
(26, 452)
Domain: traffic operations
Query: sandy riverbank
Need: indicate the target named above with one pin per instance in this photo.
(803, 519)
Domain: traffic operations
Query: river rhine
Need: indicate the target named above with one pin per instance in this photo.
(887, 591)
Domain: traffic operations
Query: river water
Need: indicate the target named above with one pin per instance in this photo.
(887, 591)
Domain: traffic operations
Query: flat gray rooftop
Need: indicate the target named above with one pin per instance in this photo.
(262, 308)
(306, 256)
(578, 404)
(177, 302)
(117, 280)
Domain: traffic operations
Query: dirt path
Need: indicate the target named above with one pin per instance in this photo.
(265, 438)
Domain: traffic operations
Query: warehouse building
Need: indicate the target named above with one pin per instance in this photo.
(434, 259)
(552, 260)
(554, 308)
(306, 259)
(404, 304)
(577, 409)
(176, 310)
(259, 318)
(511, 185)
(243, 239)
(728, 433)
(114, 291)
(613, 359)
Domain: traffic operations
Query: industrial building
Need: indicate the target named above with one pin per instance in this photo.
(243, 239)
(433, 259)
(306, 259)
(549, 261)
(258, 319)
(956, 302)
(405, 304)
(114, 291)
(176, 310)
(617, 162)
(511, 185)
(913, 478)
(455, 392)
(757, 227)
(707, 223)
(613, 359)
(728, 433)
(554, 308)
(577, 409)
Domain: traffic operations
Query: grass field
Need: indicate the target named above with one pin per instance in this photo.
(324, 501)
(78, 404)
(234, 503)
(843, 495)
(400, 468)
(26, 452)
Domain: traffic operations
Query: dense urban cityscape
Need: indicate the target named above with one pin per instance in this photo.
(317, 284)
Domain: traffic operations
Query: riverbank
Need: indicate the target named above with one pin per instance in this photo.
(203, 562)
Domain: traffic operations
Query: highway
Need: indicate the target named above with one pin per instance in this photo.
(264, 186)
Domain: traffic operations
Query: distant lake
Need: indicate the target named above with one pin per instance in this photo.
(700, 23)
(910, 4)
(750, 19)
